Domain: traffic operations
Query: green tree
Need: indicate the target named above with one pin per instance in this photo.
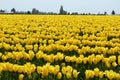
(28, 12)
(105, 13)
(35, 11)
(13, 10)
(2, 11)
(61, 10)
(113, 12)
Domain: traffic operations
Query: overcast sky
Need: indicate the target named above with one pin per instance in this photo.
(81, 6)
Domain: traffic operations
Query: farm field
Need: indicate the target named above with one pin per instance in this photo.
(51, 47)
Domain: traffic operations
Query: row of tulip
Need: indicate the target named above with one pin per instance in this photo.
(110, 74)
(91, 59)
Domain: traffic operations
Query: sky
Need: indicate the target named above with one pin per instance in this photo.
(80, 6)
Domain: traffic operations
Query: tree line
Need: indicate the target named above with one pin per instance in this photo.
(61, 12)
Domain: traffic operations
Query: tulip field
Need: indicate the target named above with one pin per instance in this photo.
(59, 47)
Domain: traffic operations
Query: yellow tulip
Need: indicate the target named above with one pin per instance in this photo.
(59, 75)
(4, 58)
(51, 58)
(39, 54)
(61, 57)
(21, 76)
(1, 45)
(29, 47)
(73, 59)
(51, 70)
(117, 75)
(87, 74)
(110, 76)
(5, 67)
(56, 57)
(0, 54)
(35, 47)
(15, 67)
(1, 69)
(9, 55)
(20, 69)
(96, 70)
(112, 58)
(78, 60)
(107, 64)
(85, 60)
(90, 60)
(68, 75)
(75, 73)
(92, 74)
(79, 51)
(114, 64)
(101, 74)
(45, 71)
(31, 54)
(69, 69)
(63, 65)
(64, 70)
(95, 61)
(119, 59)
(67, 58)
(26, 56)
